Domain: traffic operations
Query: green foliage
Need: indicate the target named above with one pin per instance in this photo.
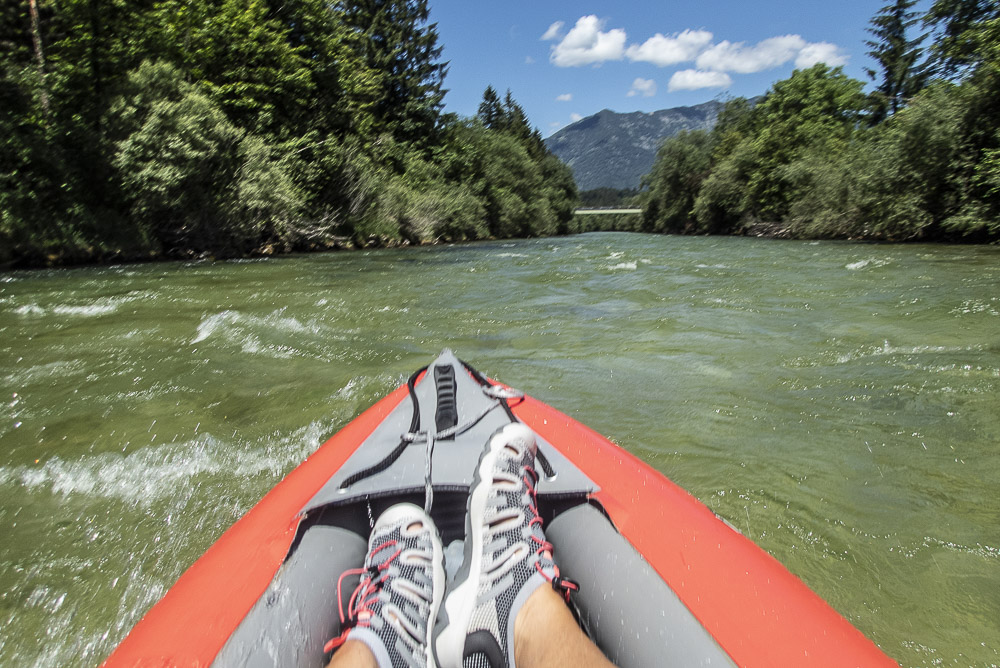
(722, 202)
(263, 84)
(191, 178)
(606, 222)
(491, 112)
(748, 180)
(900, 75)
(802, 164)
(397, 42)
(35, 200)
(420, 205)
(910, 162)
(682, 164)
(609, 197)
(958, 31)
(178, 129)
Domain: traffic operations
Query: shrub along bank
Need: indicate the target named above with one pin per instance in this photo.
(176, 129)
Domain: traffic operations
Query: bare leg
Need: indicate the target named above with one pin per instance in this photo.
(353, 654)
(545, 634)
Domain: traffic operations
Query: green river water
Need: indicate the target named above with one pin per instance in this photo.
(838, 403)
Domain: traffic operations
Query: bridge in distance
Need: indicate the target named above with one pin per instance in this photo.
(597, 212)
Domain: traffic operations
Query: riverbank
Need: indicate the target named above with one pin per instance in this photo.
(628, 220)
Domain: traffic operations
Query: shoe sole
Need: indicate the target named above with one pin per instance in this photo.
(460, 601)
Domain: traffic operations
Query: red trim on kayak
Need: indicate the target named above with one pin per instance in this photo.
(758, 612)
(197, 615)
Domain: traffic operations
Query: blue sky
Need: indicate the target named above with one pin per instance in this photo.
(567, 60)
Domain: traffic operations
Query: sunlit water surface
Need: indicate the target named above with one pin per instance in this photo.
(836, 402)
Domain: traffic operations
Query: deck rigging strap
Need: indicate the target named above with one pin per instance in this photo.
(390, 458)
(430, 438)
(503, 394)
(498, 393)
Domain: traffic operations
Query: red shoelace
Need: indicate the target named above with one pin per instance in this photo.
(372, 579)
(564, 586)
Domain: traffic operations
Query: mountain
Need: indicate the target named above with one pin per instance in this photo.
(615, 150)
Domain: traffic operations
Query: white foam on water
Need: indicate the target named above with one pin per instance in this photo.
(886, 350)
(869, 262)
(247, 331)
(89, 310)
(623, 265)
(36, 372)
(209, 324)
(29, 309)
(504, 255)
(159, 472)
(94, 308)
(971, 306)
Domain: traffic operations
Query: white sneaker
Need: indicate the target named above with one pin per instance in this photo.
(402, 584)
(506, 557)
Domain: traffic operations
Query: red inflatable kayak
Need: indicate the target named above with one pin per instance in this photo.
(664, 581)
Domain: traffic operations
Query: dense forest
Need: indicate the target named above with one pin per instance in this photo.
(166, 128)
(169, 129)
(917, 158)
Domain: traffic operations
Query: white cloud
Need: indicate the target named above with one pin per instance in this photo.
(820, 52)
(586, 44)
(644, 87)
(770, 53)
(695, 79)
(575, 117)
(528, 60)
(767, 54)
(565, 97)
(553, 31)
(678, 48)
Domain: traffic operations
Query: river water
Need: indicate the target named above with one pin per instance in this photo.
(839, 403)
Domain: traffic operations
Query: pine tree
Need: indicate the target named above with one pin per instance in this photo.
(900, 75)
(515, 120)
(490, 109)
(401, 46)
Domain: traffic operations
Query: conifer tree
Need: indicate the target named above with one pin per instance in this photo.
(899, 75)
(516, 121)
(490, 109)
(398, 42)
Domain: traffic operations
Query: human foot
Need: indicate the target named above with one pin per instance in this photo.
(506, 557)
(402, 585)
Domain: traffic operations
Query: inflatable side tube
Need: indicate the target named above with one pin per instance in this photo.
(631, 614)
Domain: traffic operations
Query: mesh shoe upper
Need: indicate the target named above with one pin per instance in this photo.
(506, 556)
(402, 583)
